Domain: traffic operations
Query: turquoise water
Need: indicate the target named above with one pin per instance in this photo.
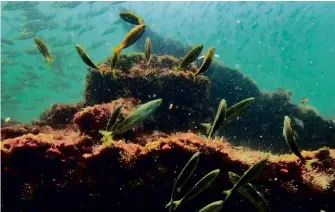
(286, 45)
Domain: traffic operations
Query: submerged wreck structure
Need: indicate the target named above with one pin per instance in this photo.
(59, 163)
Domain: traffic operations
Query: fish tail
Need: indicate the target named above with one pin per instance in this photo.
(117, 49)
(207, 127)
(49, 59)
(193, 75)
(114, 73)
(228, 193)
(302, 159)
(140, 22)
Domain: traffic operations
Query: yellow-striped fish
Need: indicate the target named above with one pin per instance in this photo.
(43, 49)
(147, 50)
(131, 37)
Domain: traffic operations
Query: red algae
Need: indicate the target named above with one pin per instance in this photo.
(92, 119)
(152, 162)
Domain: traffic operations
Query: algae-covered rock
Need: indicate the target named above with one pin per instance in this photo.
(59, 115)
(184, 99)
(260, 126)
(71, 169)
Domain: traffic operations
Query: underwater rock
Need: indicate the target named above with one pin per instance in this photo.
(90, 120)
(17, 130)
(46, 169)
(184, 99)
(59, 115)
(261, 125)
(11, 122)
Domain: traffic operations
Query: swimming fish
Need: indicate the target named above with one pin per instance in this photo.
(303, 100)
(7, 42)
(131, 18)
(291, 136)
(25, 36)
(190, 57)
(138, 116)
(252, 173)
(109, 31)
(238, 108)
(213, 207)
(250, 193)
(206, 62)
(299, 122)
(183, 177)
(147, 50)
(107, 134)
(85, 58)
(43, 49)
(199, 187)
(115, 59)
(219, 118)
(131, 37)
(113, 118)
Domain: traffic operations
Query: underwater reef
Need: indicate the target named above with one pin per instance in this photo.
(264, 117)
(39, 171)
(72, 159)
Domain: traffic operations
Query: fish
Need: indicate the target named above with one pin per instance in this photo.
(252, 173)
(84, 57)
(291, 136)
(65, 4)
(10, 6)
(238, 108)
(97, 12)
(199, 187)
(299, 122)
(303, 100)
(42, 47)
(107, 134)
(250, 193)
(138, 116)
(131, 37)
(25, 36)
(62, 43)
(32, 51)
(74, 27)
(96, 44)
(108, 31)
(183, 177)
(115, 59)
(113, 118)
(213, 207)
(206, 62)
(7, 42)
(86, 29)
(47, 18)
(219, 118)
(190, 57)
(131, 18)
(10, 53)
(215, 55)
(147, 50)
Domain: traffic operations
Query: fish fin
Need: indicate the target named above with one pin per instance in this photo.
(207, 127)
